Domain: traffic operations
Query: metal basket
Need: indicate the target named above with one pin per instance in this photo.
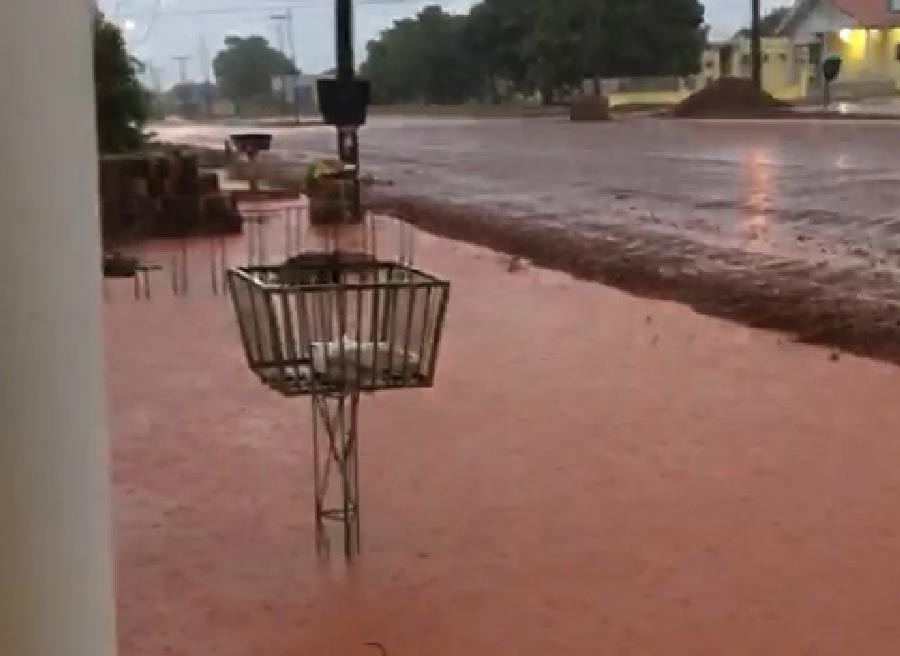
(325, 323)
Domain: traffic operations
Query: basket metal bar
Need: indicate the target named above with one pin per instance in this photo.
(320, 287)
(276, 345)
(424, 277)
(354, 431)
(390, 316)
(411, 302)
(373, 327)
(426, 328)
(313, 379)
(257, 332)
(325, 324)
(341, 333)
(357, 376)
(438, 331)
(233, 280)
(291, 342)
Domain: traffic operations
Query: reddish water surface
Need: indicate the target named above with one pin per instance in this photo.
(804, 209)
(592, 474)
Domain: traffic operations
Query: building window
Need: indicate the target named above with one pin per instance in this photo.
(783, 56)
(710, 63)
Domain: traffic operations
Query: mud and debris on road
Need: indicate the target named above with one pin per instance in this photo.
(792, 225)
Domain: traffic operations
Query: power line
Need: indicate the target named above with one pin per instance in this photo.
(245, 9)
(151, 23)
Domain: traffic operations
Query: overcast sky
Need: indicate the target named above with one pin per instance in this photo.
(175, 29)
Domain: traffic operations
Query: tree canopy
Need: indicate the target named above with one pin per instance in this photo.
(245, 68)
(422, 59)
(532, 45)
(121, 100)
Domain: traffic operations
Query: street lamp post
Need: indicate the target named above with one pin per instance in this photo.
(348, 136)
(344, 38)
(344, 100)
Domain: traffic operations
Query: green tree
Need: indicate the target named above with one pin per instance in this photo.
(497, 34)
(549, 46)
(645, 38)
(555, 47)
(423, 59)
(245, 68)
(122, 103)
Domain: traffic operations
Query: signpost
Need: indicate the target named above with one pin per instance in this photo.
(831, 68)
(755, 46)
(344, 100)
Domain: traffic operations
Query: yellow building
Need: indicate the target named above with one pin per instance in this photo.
(864, 33)
(782, 64)
(783, 68)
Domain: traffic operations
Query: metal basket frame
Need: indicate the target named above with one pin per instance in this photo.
(321, 299)
(295, 307)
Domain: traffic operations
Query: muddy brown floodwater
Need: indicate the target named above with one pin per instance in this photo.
(793, 225)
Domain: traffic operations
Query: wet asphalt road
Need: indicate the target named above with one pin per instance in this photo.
(808, 192)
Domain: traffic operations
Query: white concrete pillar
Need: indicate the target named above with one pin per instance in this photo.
(56, 594)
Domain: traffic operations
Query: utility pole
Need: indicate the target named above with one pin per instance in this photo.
(293, 48)
(156, 85)
(284, 33)
(153, 74)
(290, 37)
(348, 136)
(755, 46)
(182, 61)
(203, 53)
(279, 41)
(344, 38)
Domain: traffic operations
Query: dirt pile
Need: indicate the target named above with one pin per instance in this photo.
(784, 299)
(729, 97)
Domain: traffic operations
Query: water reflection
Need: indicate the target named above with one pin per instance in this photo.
(758, 184)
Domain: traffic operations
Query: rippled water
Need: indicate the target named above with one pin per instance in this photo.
(801, 190)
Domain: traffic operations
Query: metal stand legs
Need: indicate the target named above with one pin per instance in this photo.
(336, 468)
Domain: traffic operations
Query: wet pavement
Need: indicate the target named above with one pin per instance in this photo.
(778, 203)
(788, 188)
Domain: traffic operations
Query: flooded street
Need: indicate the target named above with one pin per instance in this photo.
(797, 211)
(788, 188)
(593, 472)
